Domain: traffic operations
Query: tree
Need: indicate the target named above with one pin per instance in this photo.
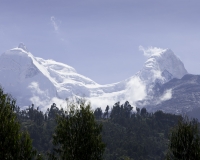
(143, 111)
(53, 111)
(127, 109)
(106, 111)
(115, 113)
(98, 113)
(14, 144)
(138, 110)
(77, 135)
(185, 141)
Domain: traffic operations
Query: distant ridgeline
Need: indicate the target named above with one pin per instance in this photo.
(127, 134)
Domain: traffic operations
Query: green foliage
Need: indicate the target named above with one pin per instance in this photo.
(120, 113)
(127, 135)
(77, 135)
(106, 111)
(98, 113)
(14, 144)
(40, 127)
(185, 141)
(139, 136)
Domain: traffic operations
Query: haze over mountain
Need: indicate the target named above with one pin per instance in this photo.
(43, 82)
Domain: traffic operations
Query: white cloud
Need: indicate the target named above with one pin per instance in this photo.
(136, 89)
(54, 23)
(102, 102)
(151, 51)
(46, 103)
(166, 96)
(42, 99)
(157, 74)
(35, 88)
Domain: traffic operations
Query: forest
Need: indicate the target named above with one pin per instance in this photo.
(118, 133)
(125, 133)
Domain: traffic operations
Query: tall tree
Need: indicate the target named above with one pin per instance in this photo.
(115, 111)
(98, 113)
(106, 111)
(143, 111)
(77, 135)
(127, 109)
(14, 144)
(185, 141)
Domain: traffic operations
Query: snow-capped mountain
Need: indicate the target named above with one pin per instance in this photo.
(162, 66)
(24, 77)
(35, 80)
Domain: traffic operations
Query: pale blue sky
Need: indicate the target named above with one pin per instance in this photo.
(100, 38)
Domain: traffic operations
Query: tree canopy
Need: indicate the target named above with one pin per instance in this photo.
(77, 134)
(14, 144)
(185, 140)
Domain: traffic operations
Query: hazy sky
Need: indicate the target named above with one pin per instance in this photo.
(101, 38)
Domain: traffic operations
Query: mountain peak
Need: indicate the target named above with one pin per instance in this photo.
(22, 46)
(160, 60)
(170, 62)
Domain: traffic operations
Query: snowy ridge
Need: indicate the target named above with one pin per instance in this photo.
(35, 80)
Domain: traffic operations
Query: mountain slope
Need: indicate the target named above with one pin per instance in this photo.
(184, 95)
(24, 78)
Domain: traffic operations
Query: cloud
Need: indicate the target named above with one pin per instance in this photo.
(59, 33)
(46, 103)
(157, 74)
(54, 23)
(135, 90)
(36, 89)
(102, 102)
(151, 51)
(167, 95)
(39, 97)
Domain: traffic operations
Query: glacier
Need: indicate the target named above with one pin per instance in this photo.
(34, 80)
